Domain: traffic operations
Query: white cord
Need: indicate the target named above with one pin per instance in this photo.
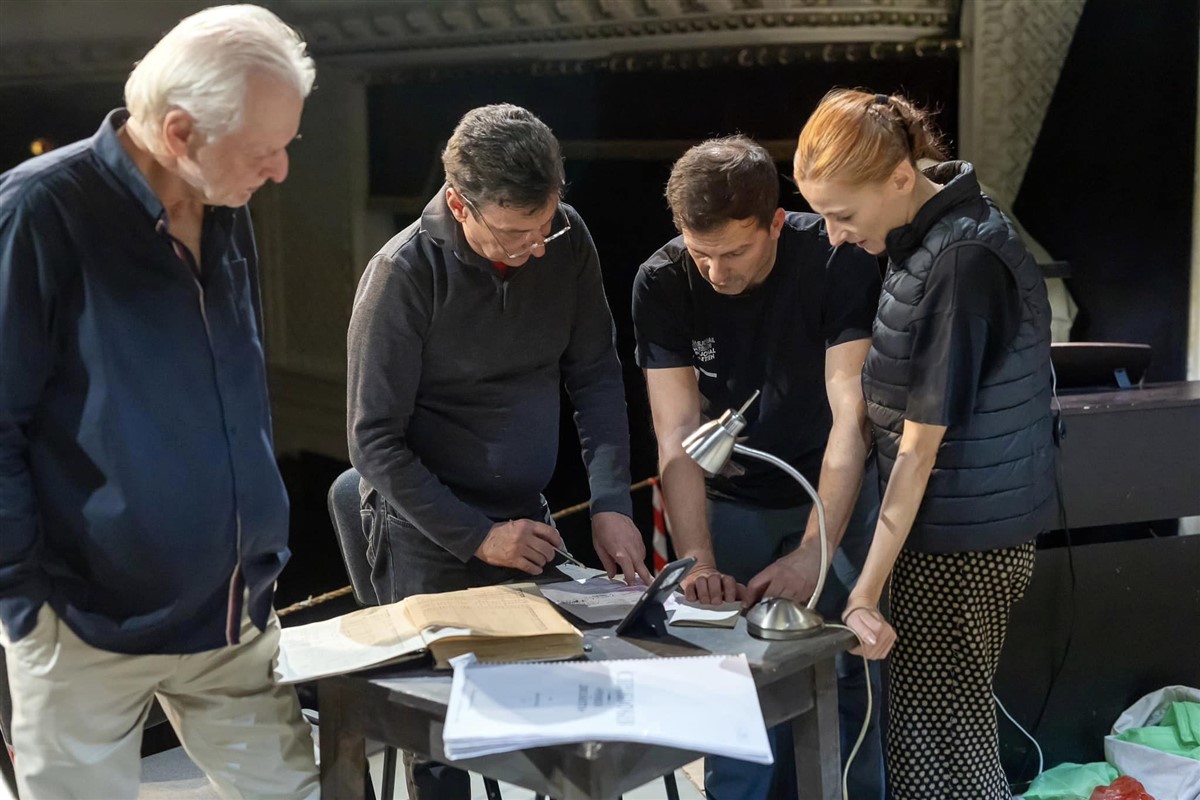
(862, 734)
(1028, 736)
(1054, 389)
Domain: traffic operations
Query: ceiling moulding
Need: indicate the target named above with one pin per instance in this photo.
(443, 33)
(377, 34)
(675, 60)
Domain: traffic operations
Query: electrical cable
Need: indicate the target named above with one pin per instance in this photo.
(862, 734)
(1028, 735)
(1059, 433)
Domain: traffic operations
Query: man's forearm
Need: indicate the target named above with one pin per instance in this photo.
(840, 482)
(398, 475)
(598, 394)
(687, 505)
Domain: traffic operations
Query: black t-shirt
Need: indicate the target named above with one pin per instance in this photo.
(963, 324)
(772, 338)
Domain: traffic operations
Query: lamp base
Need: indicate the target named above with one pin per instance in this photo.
(778, 619)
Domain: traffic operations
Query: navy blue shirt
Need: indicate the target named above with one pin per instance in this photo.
(772, 338)
(139, 494)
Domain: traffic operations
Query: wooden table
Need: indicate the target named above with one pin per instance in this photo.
(795, 680)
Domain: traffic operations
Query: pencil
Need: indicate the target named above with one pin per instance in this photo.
(562, 551)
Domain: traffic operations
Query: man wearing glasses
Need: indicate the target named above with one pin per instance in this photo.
(463, 327)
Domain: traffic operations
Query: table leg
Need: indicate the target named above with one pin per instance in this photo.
(343, 752)
(818, 761)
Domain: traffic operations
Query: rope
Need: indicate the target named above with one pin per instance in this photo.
(345, 590)
(315, 601)
(575, 509)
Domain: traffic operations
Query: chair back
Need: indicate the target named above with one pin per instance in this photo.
(345, 513)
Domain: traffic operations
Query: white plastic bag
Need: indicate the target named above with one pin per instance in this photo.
(1165, 776)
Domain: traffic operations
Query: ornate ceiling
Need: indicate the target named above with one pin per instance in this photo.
(69, 40)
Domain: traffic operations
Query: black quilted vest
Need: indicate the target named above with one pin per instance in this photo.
(992, 485)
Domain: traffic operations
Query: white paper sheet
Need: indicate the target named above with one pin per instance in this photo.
(498, 708)
(724, 615)
(597, 599)
(578, 573)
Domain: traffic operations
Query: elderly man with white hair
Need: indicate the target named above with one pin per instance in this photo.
(144, 520)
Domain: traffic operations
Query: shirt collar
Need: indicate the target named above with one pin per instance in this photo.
(108, 148)
(959, 186)
(447, 232)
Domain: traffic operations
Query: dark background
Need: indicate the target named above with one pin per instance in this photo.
(1109, 188)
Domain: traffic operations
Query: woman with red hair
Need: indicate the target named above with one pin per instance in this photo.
(957, 384)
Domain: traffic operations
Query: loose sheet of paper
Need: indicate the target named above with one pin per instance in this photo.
(578, 573)
(597, 599)
(504, 707)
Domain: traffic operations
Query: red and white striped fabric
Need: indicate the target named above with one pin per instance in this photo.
(662, 525)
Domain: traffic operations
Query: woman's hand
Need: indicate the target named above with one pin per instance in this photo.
(875, 635)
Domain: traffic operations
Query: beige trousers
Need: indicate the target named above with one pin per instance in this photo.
(78, 714)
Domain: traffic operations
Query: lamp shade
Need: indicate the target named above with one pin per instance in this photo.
(711, 444)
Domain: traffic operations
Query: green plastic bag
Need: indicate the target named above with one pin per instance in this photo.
(1071, 781)
(1177, 734)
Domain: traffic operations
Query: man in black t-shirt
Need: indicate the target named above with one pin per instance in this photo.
(752, 298)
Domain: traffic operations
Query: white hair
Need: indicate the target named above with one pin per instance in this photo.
(201, 66)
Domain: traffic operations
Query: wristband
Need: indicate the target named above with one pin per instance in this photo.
(846, 614)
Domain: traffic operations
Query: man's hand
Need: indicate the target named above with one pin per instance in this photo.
(522, 544)
(706, 584)
(793, 576)
(875, 635)
(619, 544)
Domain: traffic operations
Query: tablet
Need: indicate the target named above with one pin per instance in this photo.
(648, 617)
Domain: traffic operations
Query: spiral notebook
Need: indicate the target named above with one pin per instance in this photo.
(706, 704)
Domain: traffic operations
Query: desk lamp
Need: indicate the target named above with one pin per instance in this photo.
(711, 446)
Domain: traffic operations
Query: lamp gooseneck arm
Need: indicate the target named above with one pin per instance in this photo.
(790, 470)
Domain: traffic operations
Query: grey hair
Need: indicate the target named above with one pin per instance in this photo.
(504, 155)
(201, 67)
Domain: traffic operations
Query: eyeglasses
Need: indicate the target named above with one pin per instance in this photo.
(525, 243)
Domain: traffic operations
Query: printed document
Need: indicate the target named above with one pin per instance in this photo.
(706, 704)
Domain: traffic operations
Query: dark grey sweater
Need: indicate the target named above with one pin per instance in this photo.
(454, 375)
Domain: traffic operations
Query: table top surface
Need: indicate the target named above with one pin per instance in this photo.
(419, 685)
(1157, 395)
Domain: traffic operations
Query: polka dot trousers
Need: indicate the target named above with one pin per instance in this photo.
(950, 612)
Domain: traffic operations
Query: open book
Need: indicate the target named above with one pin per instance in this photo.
(498, 623)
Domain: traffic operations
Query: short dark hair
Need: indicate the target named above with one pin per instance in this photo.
(721, 180)
(504, 155)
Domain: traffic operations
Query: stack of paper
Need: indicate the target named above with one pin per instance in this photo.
(499, 708)
(698, 615)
